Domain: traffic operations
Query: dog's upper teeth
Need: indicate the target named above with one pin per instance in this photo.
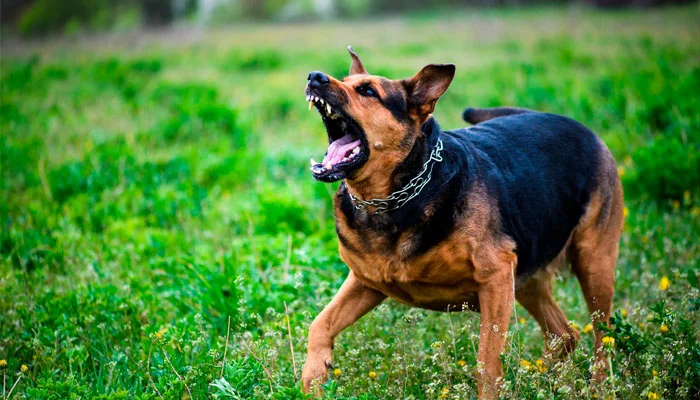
(328, 109)
(356, 150)
(308, 97)
(311, 104)
(322, 102)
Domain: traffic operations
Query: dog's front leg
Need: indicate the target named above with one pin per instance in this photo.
(496, 299)
(352, 301)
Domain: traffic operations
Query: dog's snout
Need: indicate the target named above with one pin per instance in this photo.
(318, 79)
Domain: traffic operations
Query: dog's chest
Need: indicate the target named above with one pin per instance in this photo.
(440, 277)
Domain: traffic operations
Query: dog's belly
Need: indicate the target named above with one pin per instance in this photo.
(432, 297)
(442, 279)
(427, 295)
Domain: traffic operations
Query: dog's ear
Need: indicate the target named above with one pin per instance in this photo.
(425, 88)
(356, 68)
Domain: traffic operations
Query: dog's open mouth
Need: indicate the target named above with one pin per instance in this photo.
(347, 146)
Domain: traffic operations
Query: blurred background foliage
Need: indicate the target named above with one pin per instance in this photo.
(40, 17)
(156, 198)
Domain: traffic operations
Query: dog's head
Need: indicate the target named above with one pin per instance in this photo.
(372, 122)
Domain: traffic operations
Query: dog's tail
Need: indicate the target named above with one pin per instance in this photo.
(478, 115)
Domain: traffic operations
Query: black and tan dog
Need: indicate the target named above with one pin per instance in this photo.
(478, 216)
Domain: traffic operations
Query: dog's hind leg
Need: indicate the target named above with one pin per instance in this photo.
(478, 115)
(594, 250)
(536, 296)
(352, 301)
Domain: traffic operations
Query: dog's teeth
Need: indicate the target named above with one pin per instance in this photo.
(328, 109)
(312, 161)
(356, 150)
(308, 97)
(327, 165)
(317, 99)
(322, 102)
(311, 104)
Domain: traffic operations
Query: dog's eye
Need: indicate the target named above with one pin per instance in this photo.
(366, 90)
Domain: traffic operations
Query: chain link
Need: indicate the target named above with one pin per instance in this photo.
(411, 190)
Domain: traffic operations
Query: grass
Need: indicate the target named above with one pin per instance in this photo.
(161, 236)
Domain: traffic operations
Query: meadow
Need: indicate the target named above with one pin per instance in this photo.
(162, 236)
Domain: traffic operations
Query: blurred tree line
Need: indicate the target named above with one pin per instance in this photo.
(40, 17)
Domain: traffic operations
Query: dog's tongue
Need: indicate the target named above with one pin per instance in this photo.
(338, 149)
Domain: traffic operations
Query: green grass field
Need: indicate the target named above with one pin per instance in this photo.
(156, 205)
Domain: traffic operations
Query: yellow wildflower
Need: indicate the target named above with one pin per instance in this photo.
(3, 364)
(575, 326)
(686, 196)
(641, 325)
(621, 171)
(654, 373)
(625, 212)
(540, 365)
(676, 204)
(588, 328)
(627, 160)
(624, 313)
(653, 396)
(663, 328)
(527, 365)
(461, 363)
(444, 392)
(161, 332)
(664, 283)
(24, 369)
(521, 320)
(372, 374)
(608, 342)
(337, 372)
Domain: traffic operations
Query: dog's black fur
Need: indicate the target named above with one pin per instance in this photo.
(539, 169)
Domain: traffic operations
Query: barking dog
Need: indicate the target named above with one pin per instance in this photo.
(477, 216)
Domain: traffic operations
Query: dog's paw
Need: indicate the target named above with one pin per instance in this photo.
(315, 373)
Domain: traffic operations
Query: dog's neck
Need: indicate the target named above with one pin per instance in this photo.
(379, 186)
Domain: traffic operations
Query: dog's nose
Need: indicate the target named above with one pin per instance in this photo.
(318, 79)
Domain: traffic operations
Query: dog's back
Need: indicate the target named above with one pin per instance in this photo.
(542, 169)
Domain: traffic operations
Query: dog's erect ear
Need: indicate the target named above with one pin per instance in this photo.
(425, 88)
(356, 68)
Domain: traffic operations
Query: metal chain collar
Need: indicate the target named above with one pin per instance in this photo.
(408, 192)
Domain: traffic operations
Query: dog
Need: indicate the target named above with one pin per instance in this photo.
(476, 217)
